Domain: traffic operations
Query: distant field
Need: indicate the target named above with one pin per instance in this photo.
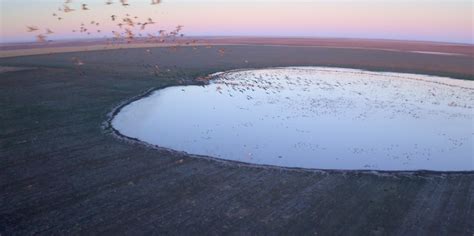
(23, 49)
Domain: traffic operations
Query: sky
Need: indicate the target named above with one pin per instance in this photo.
(423, 20)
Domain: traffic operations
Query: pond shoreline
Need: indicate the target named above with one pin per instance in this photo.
(108, 127)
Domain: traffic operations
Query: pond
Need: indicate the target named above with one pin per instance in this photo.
(313, 117)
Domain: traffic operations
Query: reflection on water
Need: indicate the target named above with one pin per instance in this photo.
(314, 117)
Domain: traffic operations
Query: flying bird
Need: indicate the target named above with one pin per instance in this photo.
(155, 2)
(116, 34)
(129, 33)
(41, 38)
(67, 9)
(124, 3)
(129, 21)
(48, 31)
(84, 7)
(221, 51)
(31, 28)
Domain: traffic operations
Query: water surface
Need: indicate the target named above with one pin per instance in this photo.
(313, 117)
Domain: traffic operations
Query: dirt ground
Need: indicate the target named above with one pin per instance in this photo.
(61, 172)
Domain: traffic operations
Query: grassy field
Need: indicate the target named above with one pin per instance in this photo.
(62, 172)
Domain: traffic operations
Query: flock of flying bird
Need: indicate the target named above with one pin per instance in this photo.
(129, 28)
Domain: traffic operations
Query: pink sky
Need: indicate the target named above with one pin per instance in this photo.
(426, 20)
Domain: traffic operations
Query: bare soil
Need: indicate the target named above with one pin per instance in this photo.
(62, 172)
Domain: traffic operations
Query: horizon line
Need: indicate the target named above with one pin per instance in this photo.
(66, 39)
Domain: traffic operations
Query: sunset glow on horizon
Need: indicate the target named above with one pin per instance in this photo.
(426, 20)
